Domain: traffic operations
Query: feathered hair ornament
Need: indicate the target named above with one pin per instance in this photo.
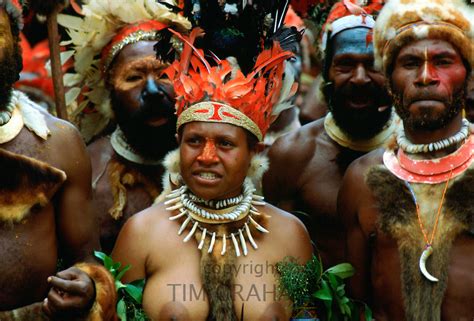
(218, 91)
(348, 14)
(105, 28)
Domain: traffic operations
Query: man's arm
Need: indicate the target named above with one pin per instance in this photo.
(78, 228)
(279, 182)
(349, 205)
(85, 290)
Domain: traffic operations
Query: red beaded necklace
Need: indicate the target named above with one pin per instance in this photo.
(430, 171)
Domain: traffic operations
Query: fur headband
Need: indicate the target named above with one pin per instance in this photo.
(403, 21)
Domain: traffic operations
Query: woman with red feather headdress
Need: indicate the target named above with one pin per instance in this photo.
(209, 249)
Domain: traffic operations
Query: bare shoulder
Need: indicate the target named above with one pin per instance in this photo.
(354, 192)
(298, 144)
(288, 232)
(357, 170)
(59, 128)
(100, 152)
(99, 145)
(146, 223)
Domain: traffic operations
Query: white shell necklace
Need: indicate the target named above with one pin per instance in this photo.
(244, 209)
(411, 148)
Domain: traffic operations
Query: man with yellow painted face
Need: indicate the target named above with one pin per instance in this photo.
(307, 166)
(209, 251)
(45, 199)
(127, 84)
(408, 209)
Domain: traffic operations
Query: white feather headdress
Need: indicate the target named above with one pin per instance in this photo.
(102, 20)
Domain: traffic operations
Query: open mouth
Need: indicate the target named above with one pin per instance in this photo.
(206, 177)
(359, 103)
(427, 101)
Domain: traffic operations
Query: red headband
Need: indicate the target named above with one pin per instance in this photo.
(129, 34)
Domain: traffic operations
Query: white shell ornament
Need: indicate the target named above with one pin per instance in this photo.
(423, 258)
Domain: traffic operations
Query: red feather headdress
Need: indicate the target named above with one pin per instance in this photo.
(222, 93)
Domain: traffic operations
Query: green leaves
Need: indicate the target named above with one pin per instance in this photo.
(343, 270)
(129, 295)
(306, 285)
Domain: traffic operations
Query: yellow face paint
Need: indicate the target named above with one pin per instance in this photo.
(425, 67)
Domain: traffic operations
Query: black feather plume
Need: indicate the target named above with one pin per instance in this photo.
(235, 27)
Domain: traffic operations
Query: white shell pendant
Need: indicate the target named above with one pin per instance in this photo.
(423, 258)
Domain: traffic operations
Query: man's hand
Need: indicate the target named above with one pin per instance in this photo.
(71, 295)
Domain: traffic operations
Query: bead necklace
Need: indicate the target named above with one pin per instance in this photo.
(216, 204)
(203, 220)
(120, 145)
(6, 114)
(411, 148)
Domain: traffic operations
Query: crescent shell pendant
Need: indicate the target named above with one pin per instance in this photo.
(423, 258)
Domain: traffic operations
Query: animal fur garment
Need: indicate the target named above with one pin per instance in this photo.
(398, 218)
(217, 271)
(122, 178)
(30, 312)
(404, 21)
(24, 183)
(218, 282)
(104, 307)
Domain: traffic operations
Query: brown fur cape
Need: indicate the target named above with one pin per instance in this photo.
(217, 271)
(25, 183)
(398, 218)
(121, 178)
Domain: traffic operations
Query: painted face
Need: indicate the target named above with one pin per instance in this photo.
(138, 83)
(470, 100)
(143, 99)
(428, 83)
(215, 159)
(357, 89)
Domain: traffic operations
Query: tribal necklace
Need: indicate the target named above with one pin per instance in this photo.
(361, 145)
(207, 219)
(428, 250)
(430, 171)
(6, 114)
(411, 148)
(122, 147)
(11, 122)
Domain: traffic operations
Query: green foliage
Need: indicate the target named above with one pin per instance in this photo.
(129, 306)
(307, 286)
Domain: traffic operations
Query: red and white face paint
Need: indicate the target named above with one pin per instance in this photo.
(428, 78)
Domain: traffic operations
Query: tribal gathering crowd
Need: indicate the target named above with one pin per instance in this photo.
(237, 159)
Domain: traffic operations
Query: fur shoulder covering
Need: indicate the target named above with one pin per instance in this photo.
(388, 191)
(460, 199)
(398, 219)
(24, 183)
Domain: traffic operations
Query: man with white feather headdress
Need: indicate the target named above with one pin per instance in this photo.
(118, 78)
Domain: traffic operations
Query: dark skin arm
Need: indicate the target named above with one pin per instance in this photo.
(279, 185)
(356, 207)
(72, 291)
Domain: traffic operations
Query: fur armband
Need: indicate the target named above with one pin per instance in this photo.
(103, 308)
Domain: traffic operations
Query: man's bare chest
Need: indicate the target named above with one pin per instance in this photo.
(29, 256)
